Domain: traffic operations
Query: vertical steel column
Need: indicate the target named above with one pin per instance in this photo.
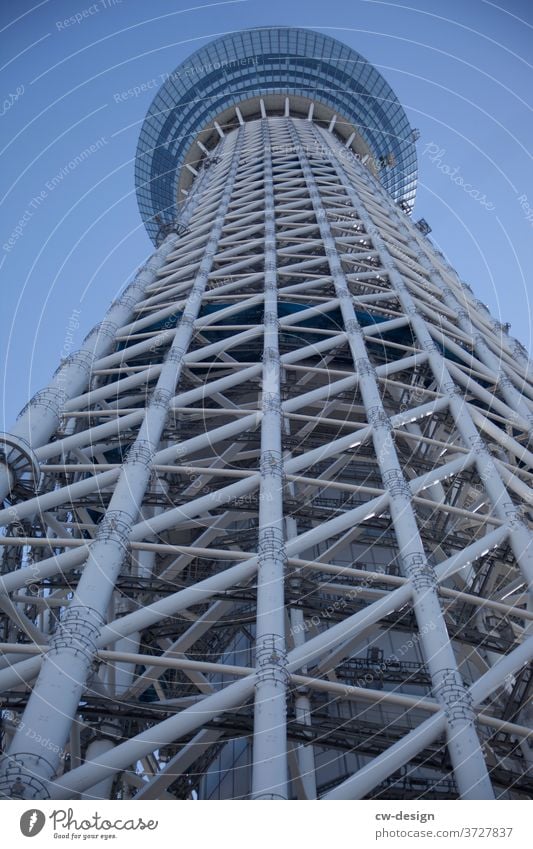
(305, 756)
(269, 774)
(66, 666)
(123, 673)
(98, 747)
(465, 752)
(302, 704)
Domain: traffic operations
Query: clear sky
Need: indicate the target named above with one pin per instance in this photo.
(72, 236)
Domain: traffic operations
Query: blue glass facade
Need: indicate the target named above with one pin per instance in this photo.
(258, 62)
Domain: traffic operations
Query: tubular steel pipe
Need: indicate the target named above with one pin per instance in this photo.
(270, 772)
(465, 751)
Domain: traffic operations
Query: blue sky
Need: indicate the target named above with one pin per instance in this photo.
(462, 71)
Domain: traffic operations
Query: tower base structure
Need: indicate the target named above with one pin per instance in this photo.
(268, 534)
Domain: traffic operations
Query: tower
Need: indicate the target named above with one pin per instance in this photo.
(268, 533)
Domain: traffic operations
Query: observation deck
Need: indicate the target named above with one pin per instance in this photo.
(262, 72)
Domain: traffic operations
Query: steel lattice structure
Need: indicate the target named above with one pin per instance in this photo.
(268, 534)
